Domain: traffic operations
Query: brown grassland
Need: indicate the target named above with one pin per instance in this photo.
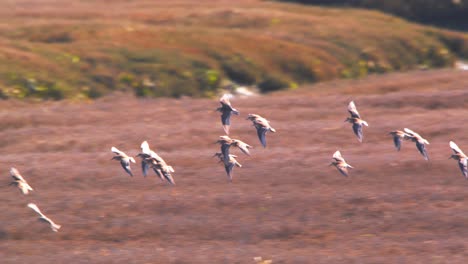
(284, 204)
(85, 49)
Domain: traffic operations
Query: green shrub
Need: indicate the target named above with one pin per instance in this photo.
(238, 69)
(299, 70)
(272, 83)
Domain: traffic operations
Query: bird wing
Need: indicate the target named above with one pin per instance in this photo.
(357, 128)
(36, 209)
(462, 163)
(411, 132)
(422, 149)
(261, 132)
(49, 221)
(116, 151)
(126, 166)
(238, 164)
(397, 141)
(343, 170)
(144, 167)
(170, 168)
(145, 147)
(337, 156)
(158, 172)
(167, 175)
(24, 187)
(352, 110)
(228, 166)
(262, 122)
(155, 156)
(16, 175)
(456, 149)
(244, 147)
(226, 119)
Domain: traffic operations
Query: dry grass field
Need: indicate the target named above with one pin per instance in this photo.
(284, 204)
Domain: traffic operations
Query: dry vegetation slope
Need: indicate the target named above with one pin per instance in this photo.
(285, 204)
(54, 50)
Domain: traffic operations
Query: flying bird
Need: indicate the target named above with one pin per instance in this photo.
(44, 218)
(356, 120)
(340, 163)
(226, 142)
(124, 160)
(460, 157)
(226, 110)
(262, 125)
(145, 156)
(420, 142)
(19, 181)
(153, 160)
(398, 135)
(229, 163)
(163, 170)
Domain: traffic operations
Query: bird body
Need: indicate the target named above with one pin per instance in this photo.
(55, 227)
(356, 120)
(226, 142)
(398, 135)
(145, 155)
(460, 157)
(340, 163)
(19, 181)
(419, 140)
(229, 163)
(153, 160)
(262, 125)
(226, 110)
(124, 160)
(163, 170)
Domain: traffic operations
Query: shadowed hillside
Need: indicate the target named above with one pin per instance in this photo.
(285, 203)
(447, 13)
(50, 49)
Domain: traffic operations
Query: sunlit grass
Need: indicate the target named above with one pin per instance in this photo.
(164, 49)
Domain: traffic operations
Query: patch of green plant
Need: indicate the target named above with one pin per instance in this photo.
(240, 70)
(271, 83)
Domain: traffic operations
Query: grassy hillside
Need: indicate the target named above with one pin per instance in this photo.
(49, 50)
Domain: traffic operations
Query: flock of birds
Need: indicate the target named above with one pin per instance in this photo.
(398, 136)
(151, 160)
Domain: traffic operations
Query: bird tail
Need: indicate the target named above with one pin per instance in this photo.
(55, 227)
(170, 168)
(272, 130)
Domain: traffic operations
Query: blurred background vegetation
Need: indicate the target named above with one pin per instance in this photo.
(446, 13)
(51, 50)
